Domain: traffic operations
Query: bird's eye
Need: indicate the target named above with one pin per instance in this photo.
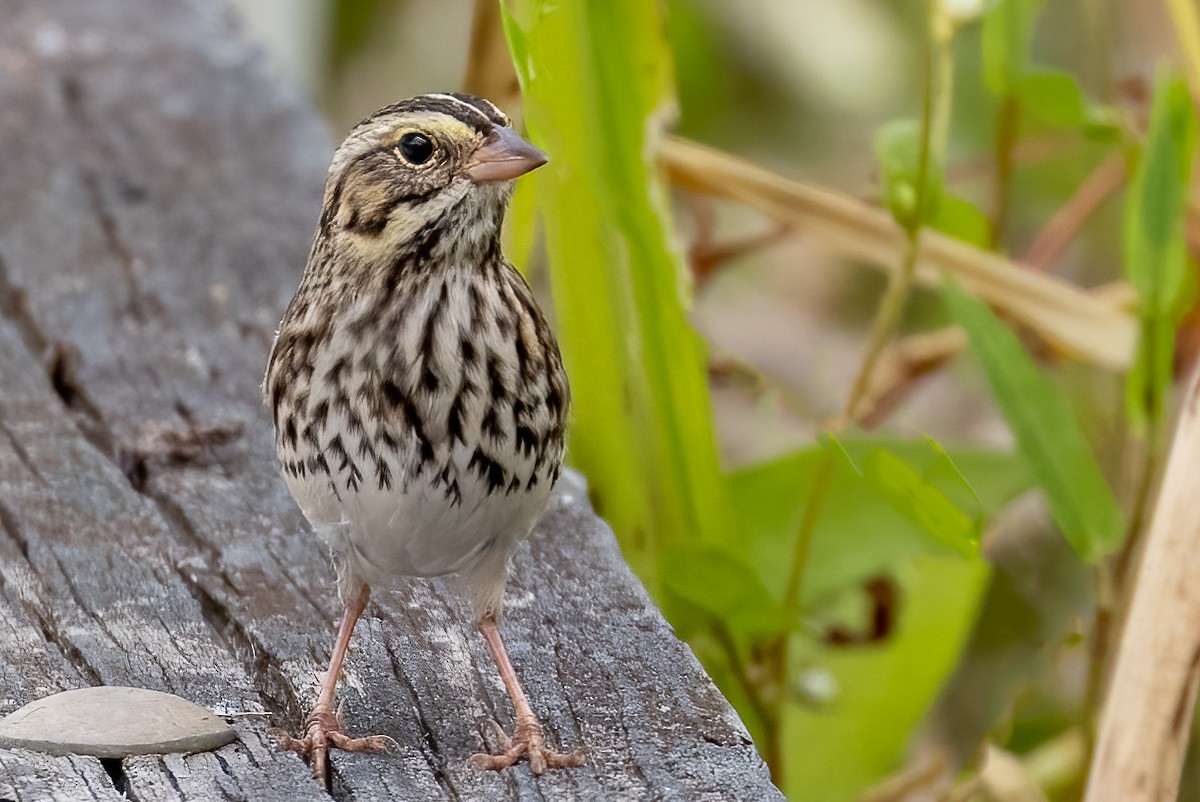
(416, 148)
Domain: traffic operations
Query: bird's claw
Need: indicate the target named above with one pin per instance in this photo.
(324, 731)
(527, 741)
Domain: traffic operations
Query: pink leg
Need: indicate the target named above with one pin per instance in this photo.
(323, 729)
(527, 738)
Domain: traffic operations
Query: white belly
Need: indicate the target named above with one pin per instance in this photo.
(420, 529)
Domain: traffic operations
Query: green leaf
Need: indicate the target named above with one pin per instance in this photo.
(963, 220)
(878, 693)
(596, 80)
(1046, 429)
(723, 586)
(1052, 97)
(1156, 260)
(918, 493)
(858, 533)
(898, 151)
(881, 693)
(1007, 31)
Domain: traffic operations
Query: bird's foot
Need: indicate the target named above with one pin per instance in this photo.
(526, 741)
(324, 731)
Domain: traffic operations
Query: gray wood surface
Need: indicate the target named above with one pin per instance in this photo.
(158, 189)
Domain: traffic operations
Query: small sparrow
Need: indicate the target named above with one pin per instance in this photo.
(418, 394)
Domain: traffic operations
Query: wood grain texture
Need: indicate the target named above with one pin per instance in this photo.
(157, 198)
(1149, 704)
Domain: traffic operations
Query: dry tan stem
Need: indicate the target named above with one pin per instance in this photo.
(1084, 325)
(902, 366)
(1066, 222)
(489, 71)
(913, 780)
(1147, 714)
(1005, 777)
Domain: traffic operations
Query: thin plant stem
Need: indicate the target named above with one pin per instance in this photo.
(891, 307)
(808, 525)
(887, 318)
(770, 721)
(1054, 237)
(1147, 471)
(1102, 636)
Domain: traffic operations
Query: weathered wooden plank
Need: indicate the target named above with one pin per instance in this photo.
(100, 551)
(32, 777)
(89, 595)
(152, 226)
(237, 772)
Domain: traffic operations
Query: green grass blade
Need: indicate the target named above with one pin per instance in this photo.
(1007, 31)
(1156, 244)
(597, 84)
(1046, 429)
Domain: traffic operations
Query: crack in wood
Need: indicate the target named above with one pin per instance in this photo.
(60, 359)
(62, 365)
(116, 774)
(14, 306)
(10, 524)
(274, 691)
(39, 617)
(72, 93)
(165, 443)
(73, 652)
(428, 738)
(20, 451)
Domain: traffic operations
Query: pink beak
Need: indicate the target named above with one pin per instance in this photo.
(505, 157)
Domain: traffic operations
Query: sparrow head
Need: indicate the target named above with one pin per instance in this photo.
(434, 168)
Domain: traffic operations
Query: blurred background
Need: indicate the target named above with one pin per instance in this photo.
(896, 617)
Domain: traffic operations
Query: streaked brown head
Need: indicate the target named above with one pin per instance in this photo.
(432, 161)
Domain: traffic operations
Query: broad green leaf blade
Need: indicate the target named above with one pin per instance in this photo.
(720, 584)
(919, 499)
(1046, 430)
(881, 691)
(858, 534)
(962, 220)
(596, 81)
(928, 491)
(1007, 30)
(1052, 97)
(1156, 244)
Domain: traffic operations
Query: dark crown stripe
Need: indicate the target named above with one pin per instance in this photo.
(474, 111)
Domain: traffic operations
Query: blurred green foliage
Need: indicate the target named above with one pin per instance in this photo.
(744, 588)
(830, 591)
(836, 591)
(1048, 434)
(1156, 258)
(593, 78)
